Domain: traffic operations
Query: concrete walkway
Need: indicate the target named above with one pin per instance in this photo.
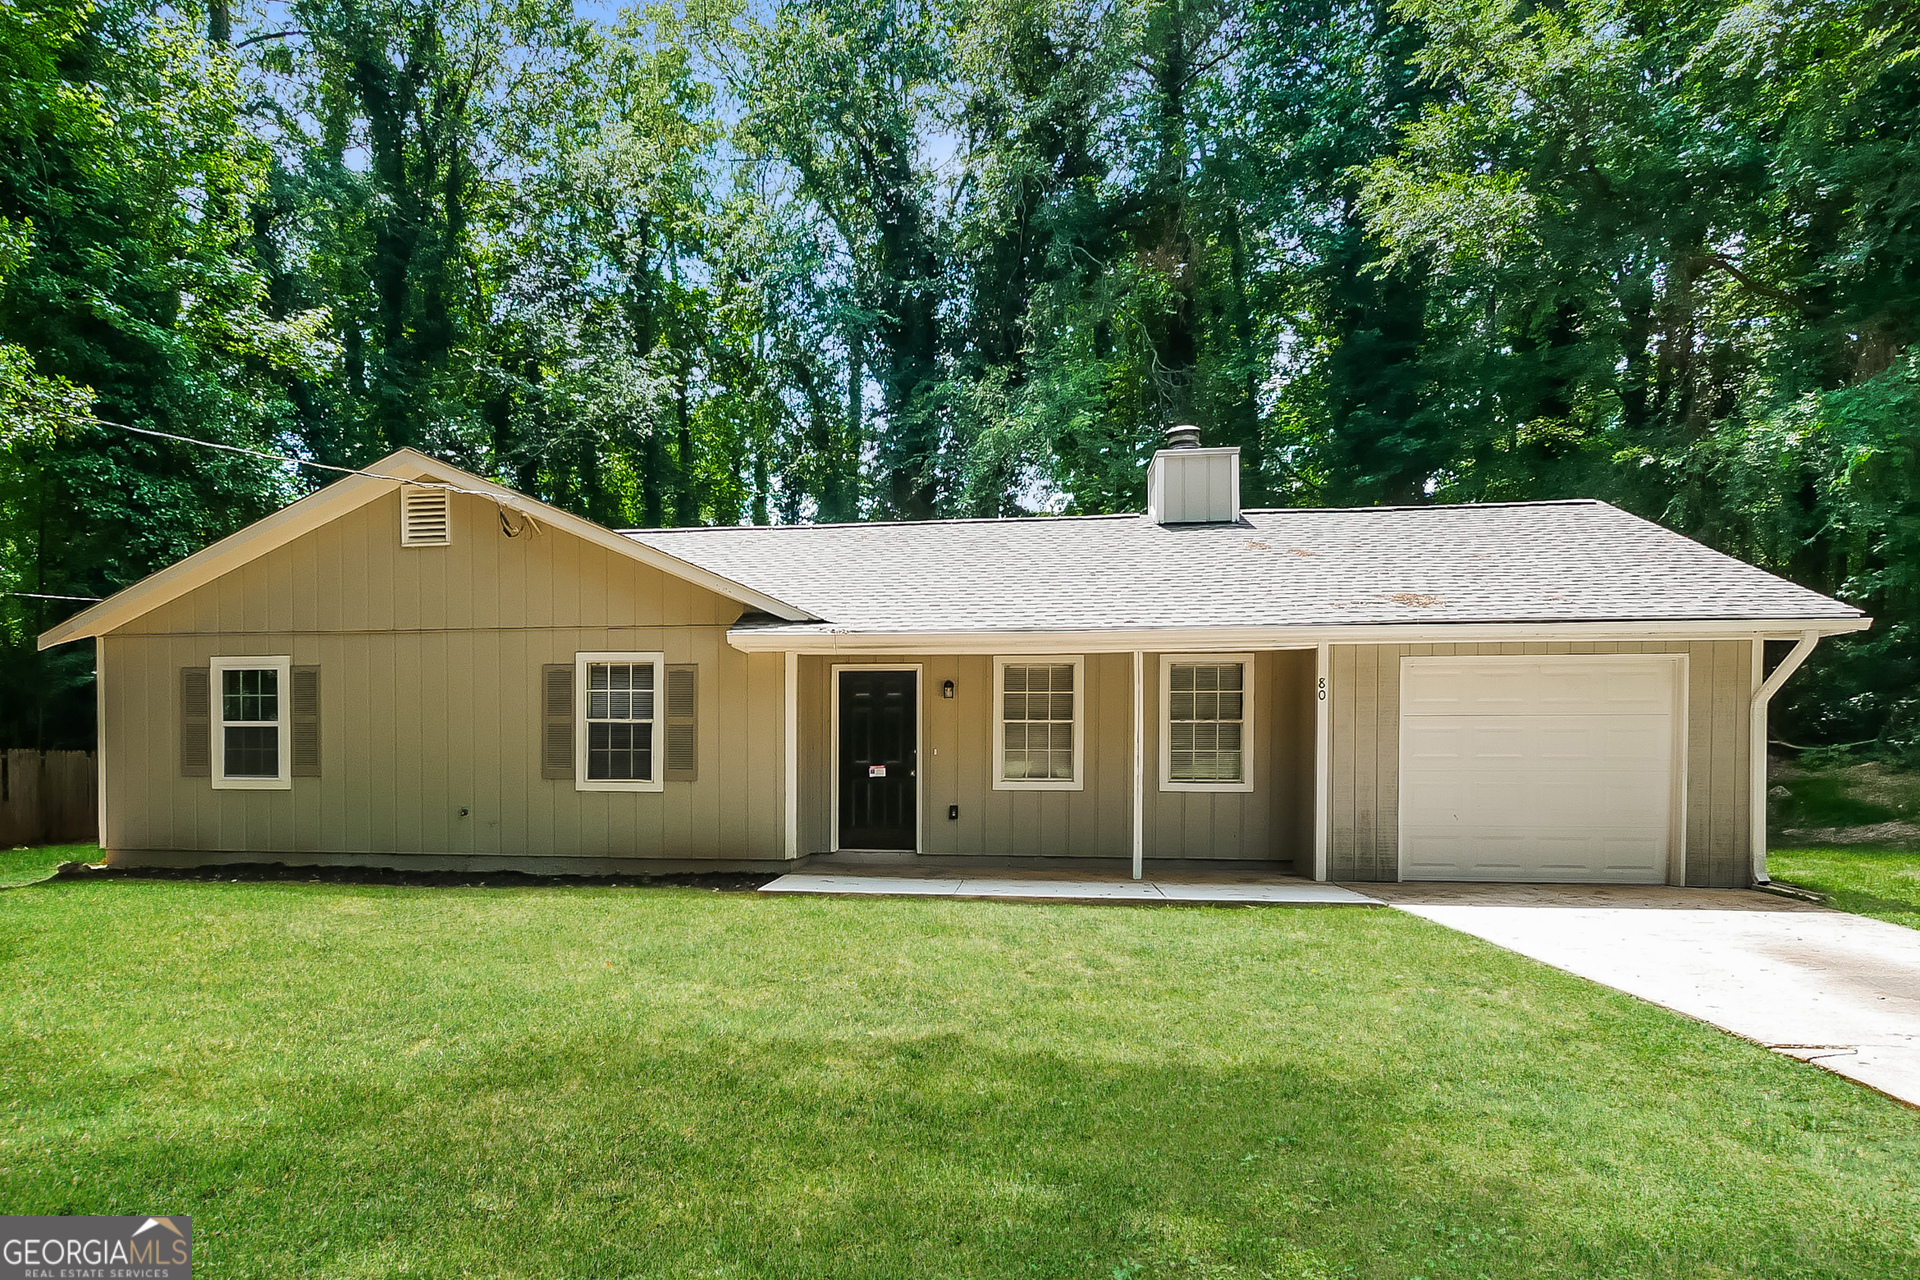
(1838, 990)
(1042, 888)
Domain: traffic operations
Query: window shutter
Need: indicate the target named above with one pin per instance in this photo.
(196, 729)
(305, 706)
(556, 720)
(683, 739)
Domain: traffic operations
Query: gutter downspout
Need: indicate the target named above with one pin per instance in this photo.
(100, 754)
(1763, 691)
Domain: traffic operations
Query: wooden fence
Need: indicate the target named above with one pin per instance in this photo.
(48, 797)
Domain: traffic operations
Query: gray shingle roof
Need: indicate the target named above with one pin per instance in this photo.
(1579, 561)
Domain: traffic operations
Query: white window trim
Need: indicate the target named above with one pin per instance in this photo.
(580, 779)
(1247, 739)
(217, 722)
(1078, 781)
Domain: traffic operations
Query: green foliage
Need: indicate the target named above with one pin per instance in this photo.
(126, 186)
(849, 259)
(1823, 800)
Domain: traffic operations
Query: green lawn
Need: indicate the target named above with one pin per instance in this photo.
(350, 1081)
(24, 866)
(1884, 883)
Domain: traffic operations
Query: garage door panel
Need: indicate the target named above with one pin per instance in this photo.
(1644, 688)
(1555, 770)
(1430, 740)
(1538, 686)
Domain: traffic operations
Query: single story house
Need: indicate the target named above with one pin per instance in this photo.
(415, 666)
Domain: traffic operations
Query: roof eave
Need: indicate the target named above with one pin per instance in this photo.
(828, 640)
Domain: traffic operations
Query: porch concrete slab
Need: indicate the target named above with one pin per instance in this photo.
(1838, 990)
(1304, 893)
(881, 886)
(1040, 889)
(1050, 890)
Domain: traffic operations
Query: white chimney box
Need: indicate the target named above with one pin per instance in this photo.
(1194, 486)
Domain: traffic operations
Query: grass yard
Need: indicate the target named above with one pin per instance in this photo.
(350, 1081)
(24, 866)
(1883, 883)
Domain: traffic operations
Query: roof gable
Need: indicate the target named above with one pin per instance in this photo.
(351, 494)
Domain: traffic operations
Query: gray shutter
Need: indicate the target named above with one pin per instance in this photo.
(683, 739)
(306, 722)
(556, 720)
(196, 728)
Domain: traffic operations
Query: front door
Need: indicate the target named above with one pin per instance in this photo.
(879, 749)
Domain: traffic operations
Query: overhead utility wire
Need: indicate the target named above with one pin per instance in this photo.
(494, 498)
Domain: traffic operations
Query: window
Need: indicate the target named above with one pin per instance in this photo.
(1206, 713)
(1037, 744)
(617, 747)
(251, 744)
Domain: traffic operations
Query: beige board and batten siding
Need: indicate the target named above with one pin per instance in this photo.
(1364, 715)
(430, 662)
(1271, 823)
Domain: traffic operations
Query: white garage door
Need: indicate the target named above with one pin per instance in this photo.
(1537, 769)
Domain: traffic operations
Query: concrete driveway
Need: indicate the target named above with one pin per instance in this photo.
(1838, 990)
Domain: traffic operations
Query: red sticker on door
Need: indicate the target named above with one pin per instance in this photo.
(876, 771)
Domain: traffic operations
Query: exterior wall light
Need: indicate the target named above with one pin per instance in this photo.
(946, 690)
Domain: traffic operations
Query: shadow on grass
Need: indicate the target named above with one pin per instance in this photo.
(1863, 904)
(1869, 881)
(923, 1156)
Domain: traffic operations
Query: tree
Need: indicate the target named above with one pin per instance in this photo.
(126, 178)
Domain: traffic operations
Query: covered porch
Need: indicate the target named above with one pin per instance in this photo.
(1078, 765)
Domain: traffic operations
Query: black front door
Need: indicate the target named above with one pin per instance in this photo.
(879, 746)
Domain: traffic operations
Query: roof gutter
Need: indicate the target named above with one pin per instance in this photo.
(1763, 691)
(809, 639)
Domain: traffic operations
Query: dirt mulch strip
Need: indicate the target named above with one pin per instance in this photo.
(263, 872)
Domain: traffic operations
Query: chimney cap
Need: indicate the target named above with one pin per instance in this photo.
(1185, 436)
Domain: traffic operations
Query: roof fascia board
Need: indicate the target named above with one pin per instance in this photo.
(343, 496)
(777, 640)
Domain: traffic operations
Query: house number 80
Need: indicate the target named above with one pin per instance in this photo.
(1323, 688)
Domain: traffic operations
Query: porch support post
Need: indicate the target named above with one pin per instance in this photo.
(1139, 762)
(1763, 691)
(790, 762)
(1322, 762)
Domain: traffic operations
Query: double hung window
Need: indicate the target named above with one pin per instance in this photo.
(618, 721)
(251, 743)
(1038, 742)
(1206, 721)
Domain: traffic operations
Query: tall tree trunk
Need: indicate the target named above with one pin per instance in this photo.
(1246, 430)
(686, 506)
(839, 498)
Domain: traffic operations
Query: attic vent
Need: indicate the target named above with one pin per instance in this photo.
(426, 518)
